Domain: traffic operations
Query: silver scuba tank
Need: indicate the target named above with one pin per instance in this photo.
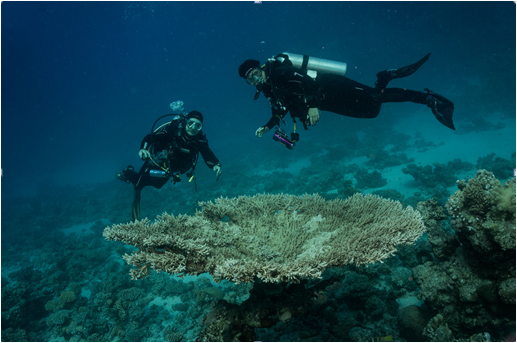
(316, 65)
(157, 173)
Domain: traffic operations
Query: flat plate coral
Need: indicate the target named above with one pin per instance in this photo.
(271, 237)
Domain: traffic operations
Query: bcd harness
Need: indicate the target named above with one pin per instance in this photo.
(174, 147)
(268, 67)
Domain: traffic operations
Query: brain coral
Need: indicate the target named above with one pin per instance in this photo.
(271, 237)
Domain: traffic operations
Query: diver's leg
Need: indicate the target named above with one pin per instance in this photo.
(129, 175)
(135, 209)
(350, 98)
(139, 180)
(399, 95)
(442, 107)
(145, 179)
(156, 182)
(125, 174)
(347, 97)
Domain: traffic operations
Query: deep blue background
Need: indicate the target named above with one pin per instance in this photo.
(82, 82)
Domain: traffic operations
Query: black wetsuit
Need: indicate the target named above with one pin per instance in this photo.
(291, 90)
(171, 148)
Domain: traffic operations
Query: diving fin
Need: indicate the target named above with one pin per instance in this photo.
(386, 76)
(122, 175)
(442, 108)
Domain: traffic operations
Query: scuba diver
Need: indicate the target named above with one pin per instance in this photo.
(170, 150)
(287, 83)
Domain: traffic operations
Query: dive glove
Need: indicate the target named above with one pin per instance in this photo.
(314, 115)
(144, 154)
(261, 131)
(217, 169)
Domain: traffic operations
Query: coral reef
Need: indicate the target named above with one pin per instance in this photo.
(473, 289)
(501, 167)
(458, 165)
(62, 284)
(389, 194)
(263, 309)
(437, 331)
(381, 159)
(439, 176)
(347, 189)
(429, 176)
(443, 243)
(270, 237)
(422, 145)
(369, 180)
(483, 216)
(412, 321)
(478, 124)
(351, 303)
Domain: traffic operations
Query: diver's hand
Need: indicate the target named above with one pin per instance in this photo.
(261, 131)
(144, 154)
(218, 171)
(314, 115)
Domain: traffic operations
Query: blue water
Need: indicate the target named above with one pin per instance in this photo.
(83, 82)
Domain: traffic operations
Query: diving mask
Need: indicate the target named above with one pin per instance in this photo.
(194, 124)
(254, 76)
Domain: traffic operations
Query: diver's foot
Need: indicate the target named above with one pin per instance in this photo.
(442, 108)
(122, 175)
(386, 76)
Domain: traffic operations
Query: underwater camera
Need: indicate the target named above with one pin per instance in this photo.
(282, 138)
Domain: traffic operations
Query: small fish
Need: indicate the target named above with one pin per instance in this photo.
(263, 42)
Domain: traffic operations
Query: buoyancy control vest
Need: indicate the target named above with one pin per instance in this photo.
(176, 147)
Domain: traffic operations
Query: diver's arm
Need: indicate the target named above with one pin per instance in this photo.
(146, 142)
(208, 155)
(272, 122)
(277, 114)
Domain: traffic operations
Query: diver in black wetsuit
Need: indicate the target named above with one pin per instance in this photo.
(169, 151)
(292, 90)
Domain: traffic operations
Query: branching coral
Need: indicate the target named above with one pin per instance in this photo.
(271, 237)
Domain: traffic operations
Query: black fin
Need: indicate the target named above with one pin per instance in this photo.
(442, 108)
(121, 176)
(386, 76)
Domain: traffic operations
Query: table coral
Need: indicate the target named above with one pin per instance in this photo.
(271, 237)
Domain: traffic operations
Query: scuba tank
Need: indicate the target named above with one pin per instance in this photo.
(315, 65)
(309, 65)
(158, 173)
